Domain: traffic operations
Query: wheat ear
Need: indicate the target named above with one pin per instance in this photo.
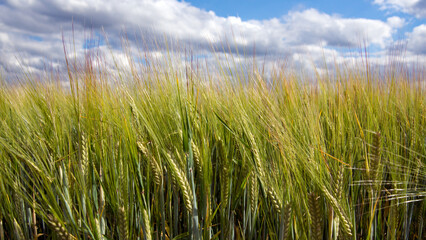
(346, 224)
(98, 229)
(122, 224)
(275, 199)
(155, 167)
(197, 159)
(182, 182)
(254, 193)
(315, 212)
(286, 219)
(257, 160)
(146, 224)
(84, 155)
(59, 229)
(375, 160)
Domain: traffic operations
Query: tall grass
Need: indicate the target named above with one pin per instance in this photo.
(161, 151)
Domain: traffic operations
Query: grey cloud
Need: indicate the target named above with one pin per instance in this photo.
(420, 9)
(23, 21)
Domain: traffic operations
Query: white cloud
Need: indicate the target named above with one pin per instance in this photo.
(416, 40)
(298, 32)
(395, 22)
(414, 7)
(313, 27)
(181, 20)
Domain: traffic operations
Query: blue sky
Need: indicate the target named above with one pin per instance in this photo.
(258, 9)
(303, 31)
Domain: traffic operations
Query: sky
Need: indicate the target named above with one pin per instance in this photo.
(33, 33)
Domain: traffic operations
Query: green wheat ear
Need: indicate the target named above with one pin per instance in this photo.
(122, 224)
(147, 226)
(346, 224)
(59, 229)
(155, 167)
(180, 179)
(275, 199)
(286, 218)
(257, 160)
(316, 216)
(197, 160)
(375, 159)
(98, 229)
(338, 183)
(254, 191)
(84, 155)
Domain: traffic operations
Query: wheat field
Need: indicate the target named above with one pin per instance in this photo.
(161, 151)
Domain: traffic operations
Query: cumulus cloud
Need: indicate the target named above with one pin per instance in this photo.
(416, 40)
(414, 7)
(395, 22)
(313, 27)
(32, 29)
